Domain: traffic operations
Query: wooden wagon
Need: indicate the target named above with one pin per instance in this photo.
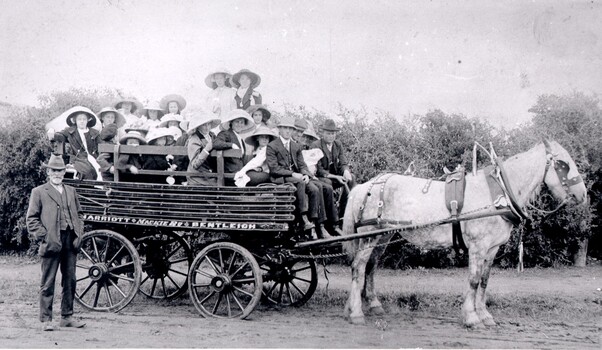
(139, 238)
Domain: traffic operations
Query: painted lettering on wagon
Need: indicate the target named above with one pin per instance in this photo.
(171, 223)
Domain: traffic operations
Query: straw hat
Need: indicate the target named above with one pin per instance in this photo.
(132, 134)
(119, 118)
(255, 78)
(262, 130)
(153, 106)
(74, 111)
(156, 133)
(200, 120)
(136, 105)
(55, 162)
(287, 122)
(311, 133)
(236, 114)
(169, 118)
(172, 97)
(266, 113)
(210, 80)
(301, 124)
(330, 125)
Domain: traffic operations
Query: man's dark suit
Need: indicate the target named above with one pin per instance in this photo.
(224, 140)
(283, 164)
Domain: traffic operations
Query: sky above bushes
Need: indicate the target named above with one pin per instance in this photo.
(487, 59)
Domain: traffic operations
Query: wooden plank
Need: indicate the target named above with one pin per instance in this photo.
(186, 215)
(247, 207)
(162, 150)
(216, 198)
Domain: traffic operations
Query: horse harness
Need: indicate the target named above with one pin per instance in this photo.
(380, 180)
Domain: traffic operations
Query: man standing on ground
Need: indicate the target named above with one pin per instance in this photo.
(55, 219)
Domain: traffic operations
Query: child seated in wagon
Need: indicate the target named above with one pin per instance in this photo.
(158, 137)
(128, 165)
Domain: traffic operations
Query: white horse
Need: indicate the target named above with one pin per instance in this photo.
(405, 201)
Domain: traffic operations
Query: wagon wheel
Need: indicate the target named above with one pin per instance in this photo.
(225, 281)
(108, 271)
(290, 283)
(166, 258)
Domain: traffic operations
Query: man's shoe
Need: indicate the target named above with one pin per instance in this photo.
(70, 322)
(324, 232)
(47, 326)
(307, 225)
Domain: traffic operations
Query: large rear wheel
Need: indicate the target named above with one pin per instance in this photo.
(166, 258)
(225, 281)
(108, 271)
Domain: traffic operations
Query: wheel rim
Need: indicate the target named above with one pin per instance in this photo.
(107, 271)
(291, 283)
(166, 259)
(225, 281)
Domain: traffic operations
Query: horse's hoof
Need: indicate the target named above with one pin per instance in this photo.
(489, 322)
(377, 310)
(360, 320)
(474, 325)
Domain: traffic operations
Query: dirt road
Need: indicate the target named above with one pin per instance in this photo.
(414, 318)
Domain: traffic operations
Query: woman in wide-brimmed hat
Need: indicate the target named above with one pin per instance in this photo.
(220, 101)
(172, 122)
(158, 137)
(82, 140)
(256, 171)
(230, 137)
(153, 113)
(308, 137)
(110, 115)
(173, 104)
(260, 114)
(108, 134)
(200, 145)
(245, 83)
(128, 106)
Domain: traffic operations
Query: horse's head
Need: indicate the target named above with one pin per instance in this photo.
(565, 181)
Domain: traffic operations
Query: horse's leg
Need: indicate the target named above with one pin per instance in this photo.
(376, 308)
(481, 297)
(475, 266)
(353, 307)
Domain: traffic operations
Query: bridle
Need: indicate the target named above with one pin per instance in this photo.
(562, 169)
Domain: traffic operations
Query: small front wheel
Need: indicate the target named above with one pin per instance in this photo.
(225, 281)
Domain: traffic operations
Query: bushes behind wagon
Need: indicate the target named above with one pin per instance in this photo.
(376, 141)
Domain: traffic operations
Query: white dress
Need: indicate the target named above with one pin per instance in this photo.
(220, 101)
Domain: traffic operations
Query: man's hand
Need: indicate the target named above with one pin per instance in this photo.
(235, 146)
(50, 134)
(133, 170)
(169, 157)
(112, 170)
(209, 146)
(339, 178)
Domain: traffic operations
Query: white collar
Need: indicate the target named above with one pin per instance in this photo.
(59, 188)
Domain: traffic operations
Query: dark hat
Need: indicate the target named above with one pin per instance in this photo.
(311, 133)
(255, 78)
(330, 125)
(108, 132)
(56, 162)
(262, 130)
(266, 114)
(71, 113)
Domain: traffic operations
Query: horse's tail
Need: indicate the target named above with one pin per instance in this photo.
(350, 247)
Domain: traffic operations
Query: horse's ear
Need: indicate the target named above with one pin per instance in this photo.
(546, 143)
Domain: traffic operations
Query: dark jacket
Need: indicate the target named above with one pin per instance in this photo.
(277, 159)
(76, 144)
(224, 140)
(44, 221)
(245, 101)
(195, 145)
(334, 162)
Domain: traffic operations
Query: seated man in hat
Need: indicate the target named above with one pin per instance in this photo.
(333, 168)
(286, 164)
(300, 126)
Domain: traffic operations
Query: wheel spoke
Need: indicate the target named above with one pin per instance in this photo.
(243, 291)
(272, 289)
(81, 296)
(174, 282)
(95, 248)
(178, 247)
(97, 294)
(302, 279)
(107, 248)
(244, 280)
(131, 263)
(115, 255)
(82, 266)
(238, 302)
(231, 262)
(280, 292)
(117, 287)
(145, 279)
(122, 277)
(240, 268)
(154, 286)
(301, 269)
(211, 263)
(83, 278)
(221, 260)
(179, 272)
(178, 260)
(298, 289)
(88, 256)
(229, 306)
(219, 300)
(290, 294)
(109, 298)
(163, 286)
(207, 297)
(203, 273)
(197, 285)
